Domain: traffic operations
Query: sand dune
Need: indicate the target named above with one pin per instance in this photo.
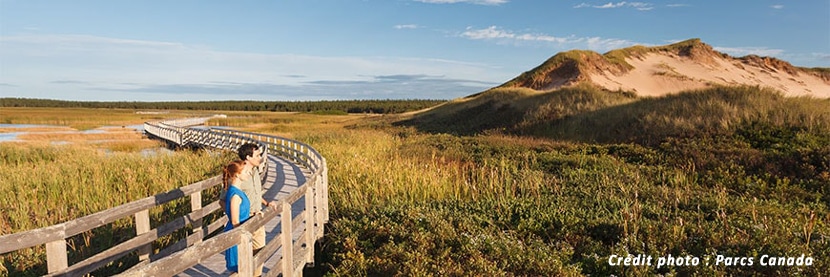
(657, 74)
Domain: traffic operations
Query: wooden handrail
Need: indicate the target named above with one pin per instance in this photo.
(168, 261)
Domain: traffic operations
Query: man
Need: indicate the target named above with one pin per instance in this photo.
(252, 187)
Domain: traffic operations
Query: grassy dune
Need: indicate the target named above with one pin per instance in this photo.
(587, 114)
(696, 113)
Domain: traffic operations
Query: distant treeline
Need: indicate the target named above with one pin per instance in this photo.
(347, 106)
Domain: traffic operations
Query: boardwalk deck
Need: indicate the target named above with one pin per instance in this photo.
(282, 178)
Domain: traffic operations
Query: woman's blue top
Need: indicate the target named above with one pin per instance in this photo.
(231, 254)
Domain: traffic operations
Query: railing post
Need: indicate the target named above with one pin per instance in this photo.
(310, 224)
(142, 225)
(195, 205)
(56, 255)
(287, 240)
(294, 151)
(245, 251)
(318, 207)
(325, 175)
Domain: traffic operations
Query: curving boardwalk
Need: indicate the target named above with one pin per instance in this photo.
(294, 174)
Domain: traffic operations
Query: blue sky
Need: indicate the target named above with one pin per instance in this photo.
(117, 50)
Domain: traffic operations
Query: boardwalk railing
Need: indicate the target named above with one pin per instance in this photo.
(193, 249)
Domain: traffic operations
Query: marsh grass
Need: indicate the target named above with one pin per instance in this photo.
(408, 202)
(85, 118)
(48, 184)
(753, 182)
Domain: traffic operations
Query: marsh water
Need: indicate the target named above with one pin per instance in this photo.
(13, 136)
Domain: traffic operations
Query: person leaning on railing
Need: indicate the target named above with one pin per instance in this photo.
(238, 208)
(252, 187)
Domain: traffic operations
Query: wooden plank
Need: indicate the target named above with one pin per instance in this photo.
(195, 205)
(56, 255)
(245, 251)
(299, 264)
(187, 242)
(287, 253)
(269, 250)
(99, 219)
(300, 243)
(120, 250)
(295, 224)
(31, 238)
(276, 270)
(142, 225)
(189, 257)
(296, 194)
(309, 224)
(318, 209)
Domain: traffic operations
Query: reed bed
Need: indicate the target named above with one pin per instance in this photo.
(46, 184)
(411, 203)
(86, 118)
(406, 202)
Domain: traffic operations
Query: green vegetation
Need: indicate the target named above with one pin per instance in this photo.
(422, 204)
(566, 65)
(752, 182)
(649, 121)
(347, 106)
(589, 114)
(514, 110)
(44, 185)
(523, 182)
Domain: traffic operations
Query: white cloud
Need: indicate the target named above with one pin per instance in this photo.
(407, 26)
(81, 67)
(678, 5)
(570, 42)
(477, 2)
(610, 5)
(777, 7)
(642, 6)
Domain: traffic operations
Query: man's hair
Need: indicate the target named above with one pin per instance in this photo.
(246, 150)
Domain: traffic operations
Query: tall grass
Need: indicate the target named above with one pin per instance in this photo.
(410, 203)
(48, 184)
(427, 172)
(84, 118)
(407, 202)
(711, 111)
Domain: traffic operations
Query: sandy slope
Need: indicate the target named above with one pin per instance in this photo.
(657, 74)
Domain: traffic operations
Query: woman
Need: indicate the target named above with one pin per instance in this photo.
(238, 206)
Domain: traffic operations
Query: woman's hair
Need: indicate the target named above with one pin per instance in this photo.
(230, 171)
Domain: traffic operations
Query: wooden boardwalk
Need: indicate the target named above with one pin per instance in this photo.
(282, 178)
(296, 177)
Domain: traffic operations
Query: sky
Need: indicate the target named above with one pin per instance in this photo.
(301, 50)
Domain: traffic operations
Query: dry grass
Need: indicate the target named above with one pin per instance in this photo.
(406, 202)
(85, 118)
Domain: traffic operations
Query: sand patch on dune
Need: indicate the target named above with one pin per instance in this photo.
(657, 74)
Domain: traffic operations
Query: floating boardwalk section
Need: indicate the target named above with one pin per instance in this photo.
(294, 174)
